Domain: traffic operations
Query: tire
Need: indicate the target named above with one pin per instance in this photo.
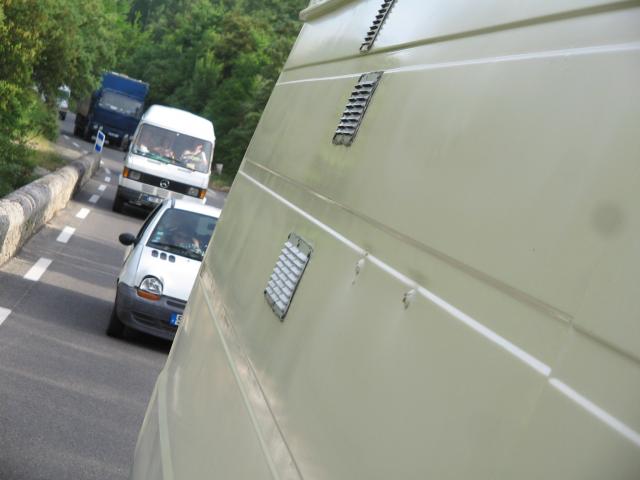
(116, 328)
(118, 203)
(86, 134)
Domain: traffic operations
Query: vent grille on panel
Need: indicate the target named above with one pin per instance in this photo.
(376, 25)
(356, 106)
(287, 273)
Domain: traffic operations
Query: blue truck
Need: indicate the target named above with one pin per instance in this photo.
(116, 108)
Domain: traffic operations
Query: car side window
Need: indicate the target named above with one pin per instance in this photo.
(146, 223)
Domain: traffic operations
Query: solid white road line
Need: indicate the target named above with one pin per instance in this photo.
(38, 268)
(4, 313)
(65, 234)
(102, 188)
(83, 213)
(75, 144)
(94, 198)
(107, 179)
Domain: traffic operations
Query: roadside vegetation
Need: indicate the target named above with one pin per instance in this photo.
(216, 58)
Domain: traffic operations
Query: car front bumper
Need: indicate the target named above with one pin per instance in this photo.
(148, 316)
(138, 198)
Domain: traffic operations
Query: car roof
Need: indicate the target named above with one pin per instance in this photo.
(191, 206)
(179, 121)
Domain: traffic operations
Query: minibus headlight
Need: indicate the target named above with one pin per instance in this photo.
(133, 175)
(196, 192)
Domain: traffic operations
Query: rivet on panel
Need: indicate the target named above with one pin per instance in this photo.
(359, 266)
(408, 297)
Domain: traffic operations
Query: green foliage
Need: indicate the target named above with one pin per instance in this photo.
(16, 165)
(44, 44)
(219, 59)
(216, 58)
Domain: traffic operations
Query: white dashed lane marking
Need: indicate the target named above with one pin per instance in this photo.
(66, 137)
(102, 188)
(4, 313)
(107, 179)
(94, 198)
(75, 144)
(83, 213)
(38, 268)
(65, 234)
(108, 171)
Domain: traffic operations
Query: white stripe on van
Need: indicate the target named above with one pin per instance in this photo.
(525, 357)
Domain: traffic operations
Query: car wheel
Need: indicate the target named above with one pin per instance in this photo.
(87, 133)
(116, 327)
(118, 203)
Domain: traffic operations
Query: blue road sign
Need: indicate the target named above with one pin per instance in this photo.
(100, 137)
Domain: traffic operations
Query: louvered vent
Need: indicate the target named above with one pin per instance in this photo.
(376, 25)
(287, 273)
(354, 111)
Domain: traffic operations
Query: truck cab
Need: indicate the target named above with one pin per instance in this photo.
(115, 108)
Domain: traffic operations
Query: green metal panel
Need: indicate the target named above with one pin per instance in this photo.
(469, 306)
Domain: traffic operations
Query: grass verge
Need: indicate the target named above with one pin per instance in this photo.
(45, 155)
(221, 182)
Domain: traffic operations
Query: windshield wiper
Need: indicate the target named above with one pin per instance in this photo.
(187, 252)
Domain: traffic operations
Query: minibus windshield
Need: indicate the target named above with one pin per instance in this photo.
(173, 147)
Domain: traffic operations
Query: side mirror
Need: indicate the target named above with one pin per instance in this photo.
(127, 239)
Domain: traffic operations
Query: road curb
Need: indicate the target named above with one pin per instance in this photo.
(25, 210)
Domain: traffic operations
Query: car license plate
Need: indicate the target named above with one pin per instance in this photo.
(176, 319)
(151, 198)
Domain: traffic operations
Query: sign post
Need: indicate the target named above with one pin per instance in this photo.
(100, 137)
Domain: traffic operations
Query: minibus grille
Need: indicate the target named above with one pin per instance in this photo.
(160, 182)
(286, 274)
(376, 25)
(356, 106)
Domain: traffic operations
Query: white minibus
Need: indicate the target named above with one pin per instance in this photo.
(170, 156)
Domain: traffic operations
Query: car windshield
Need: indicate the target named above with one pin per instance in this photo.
(119, 103)
(173, 147)
(183, 233)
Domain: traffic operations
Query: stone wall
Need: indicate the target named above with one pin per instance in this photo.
(27, 209)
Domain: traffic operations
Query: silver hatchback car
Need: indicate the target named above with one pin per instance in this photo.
(160, 268)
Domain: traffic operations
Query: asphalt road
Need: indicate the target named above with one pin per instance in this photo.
(72, 399)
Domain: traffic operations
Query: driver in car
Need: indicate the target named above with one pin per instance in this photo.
(196, 158)
(172, 232)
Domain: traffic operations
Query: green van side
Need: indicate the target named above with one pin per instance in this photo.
(426, 266)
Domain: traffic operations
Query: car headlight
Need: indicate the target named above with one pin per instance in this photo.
(150, 288)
